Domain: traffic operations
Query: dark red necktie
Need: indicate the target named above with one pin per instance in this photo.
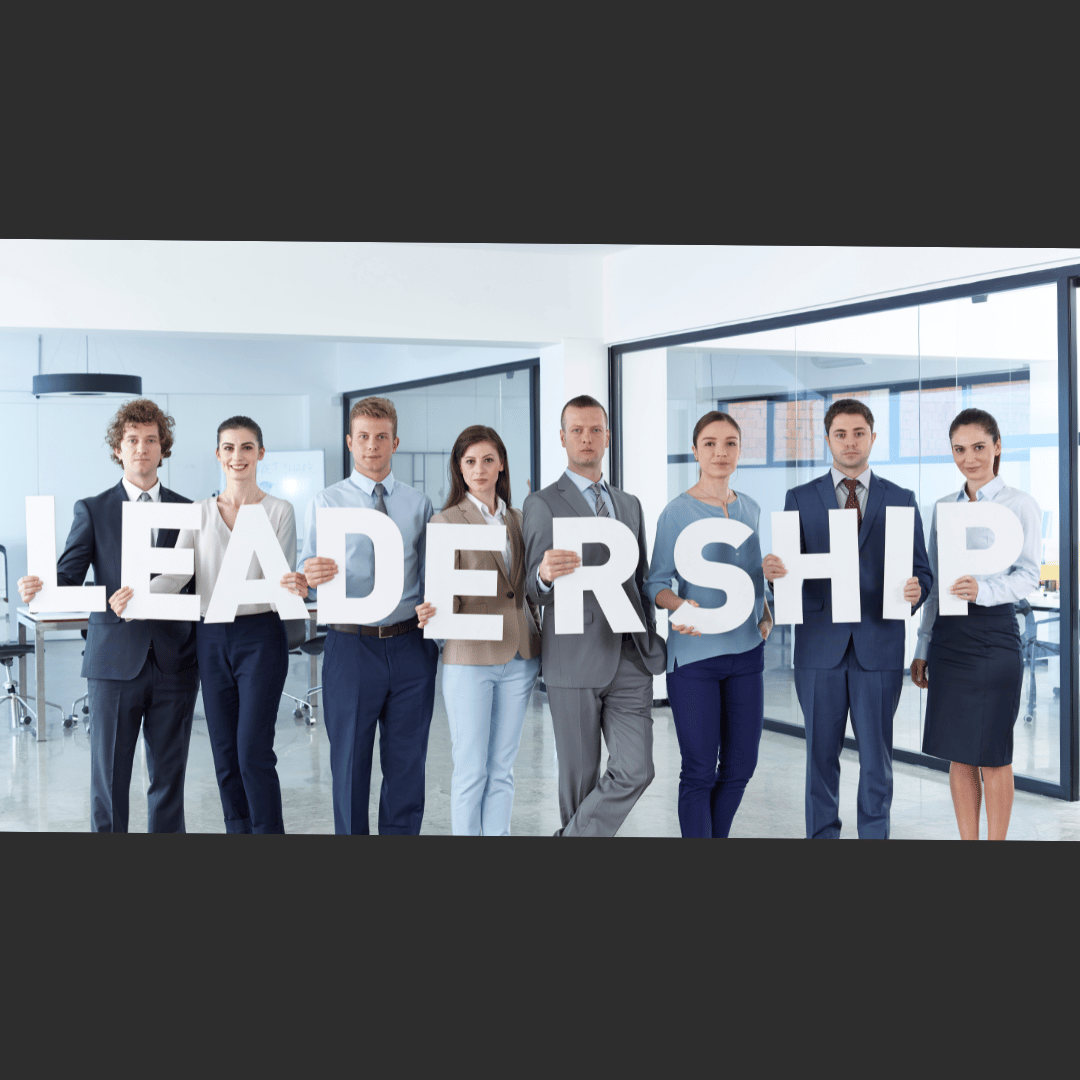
(852, 503)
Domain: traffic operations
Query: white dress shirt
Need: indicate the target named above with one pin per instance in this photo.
(1004, 587)
(498, 518)
(133, 494)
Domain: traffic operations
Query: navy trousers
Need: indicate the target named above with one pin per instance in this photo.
(718, 707)
(825, 696)
(388, 682)
(243, 665)
(162, 704)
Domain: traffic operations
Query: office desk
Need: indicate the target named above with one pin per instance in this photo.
(42, 623)
(77, 620)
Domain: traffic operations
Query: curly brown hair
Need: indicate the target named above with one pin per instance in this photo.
(139, 411)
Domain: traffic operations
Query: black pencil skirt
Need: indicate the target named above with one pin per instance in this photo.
(975, 672)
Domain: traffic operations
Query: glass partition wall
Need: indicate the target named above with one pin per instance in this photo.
(916, 365)
(433, 412)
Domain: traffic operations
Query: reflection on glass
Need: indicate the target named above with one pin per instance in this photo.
(916, 368)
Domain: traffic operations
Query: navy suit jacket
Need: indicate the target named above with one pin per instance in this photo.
(879, 643)
(116, 649)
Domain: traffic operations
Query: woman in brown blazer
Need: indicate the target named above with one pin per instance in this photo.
(487, 684)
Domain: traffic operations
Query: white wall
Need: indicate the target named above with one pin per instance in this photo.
(653, 290)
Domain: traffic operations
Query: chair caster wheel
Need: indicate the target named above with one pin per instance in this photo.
(69, 721)
(1028, 718)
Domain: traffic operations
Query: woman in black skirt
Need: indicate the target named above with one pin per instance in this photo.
(971, 665)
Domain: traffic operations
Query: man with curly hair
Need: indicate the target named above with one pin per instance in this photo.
(140, 673)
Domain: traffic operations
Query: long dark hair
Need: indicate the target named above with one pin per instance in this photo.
(470, 437)
(980, 418)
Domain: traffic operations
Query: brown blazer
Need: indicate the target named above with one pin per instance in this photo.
(521, 623)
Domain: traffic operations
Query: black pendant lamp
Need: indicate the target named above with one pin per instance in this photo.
(84, 384)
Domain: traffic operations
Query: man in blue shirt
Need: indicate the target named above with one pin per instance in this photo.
(385, 673)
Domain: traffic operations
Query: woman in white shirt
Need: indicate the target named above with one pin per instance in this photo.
(242, 664)
(486, 685)
(970, 665)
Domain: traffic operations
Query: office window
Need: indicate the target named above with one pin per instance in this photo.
(916, 367)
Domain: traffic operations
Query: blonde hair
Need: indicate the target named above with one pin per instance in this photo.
(378, 407)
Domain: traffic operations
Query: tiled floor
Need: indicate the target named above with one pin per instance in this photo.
(45, 786)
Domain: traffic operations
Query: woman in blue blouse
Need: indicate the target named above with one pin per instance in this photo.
(715, 681)
(974, 696)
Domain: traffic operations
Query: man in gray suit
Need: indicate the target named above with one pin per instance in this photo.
(599, 681)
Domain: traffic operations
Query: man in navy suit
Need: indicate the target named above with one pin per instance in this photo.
(138, 672)
(850, 666)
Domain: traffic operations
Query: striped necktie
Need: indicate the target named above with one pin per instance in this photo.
(601, 506)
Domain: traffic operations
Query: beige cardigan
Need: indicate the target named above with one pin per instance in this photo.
(521, 624)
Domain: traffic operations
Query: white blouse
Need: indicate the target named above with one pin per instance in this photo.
(1004, 587)
(498, 518)
(210, 543)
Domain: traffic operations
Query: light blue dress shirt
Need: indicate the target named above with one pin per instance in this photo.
(1005, 587)
(584, 485)
(862, 488)
(682, 511)
(409, 509)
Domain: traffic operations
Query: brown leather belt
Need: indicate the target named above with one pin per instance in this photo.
(376, 631)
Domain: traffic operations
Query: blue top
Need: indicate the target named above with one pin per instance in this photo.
(1004, 587)
(409, 509)
(677, 515)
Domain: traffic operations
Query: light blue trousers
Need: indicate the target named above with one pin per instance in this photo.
(485, 704)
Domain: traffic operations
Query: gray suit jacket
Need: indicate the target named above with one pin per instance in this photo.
(590, 659)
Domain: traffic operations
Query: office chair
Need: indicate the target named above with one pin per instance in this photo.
(21, 713)
(1033, 650)
(296, 632)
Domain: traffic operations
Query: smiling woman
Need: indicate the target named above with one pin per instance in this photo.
(242, 664)
(971, 667)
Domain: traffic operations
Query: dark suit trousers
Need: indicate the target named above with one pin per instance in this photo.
(243, 665)
(163, 705)
(825, 696)
(388, 682)
(718, 707)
